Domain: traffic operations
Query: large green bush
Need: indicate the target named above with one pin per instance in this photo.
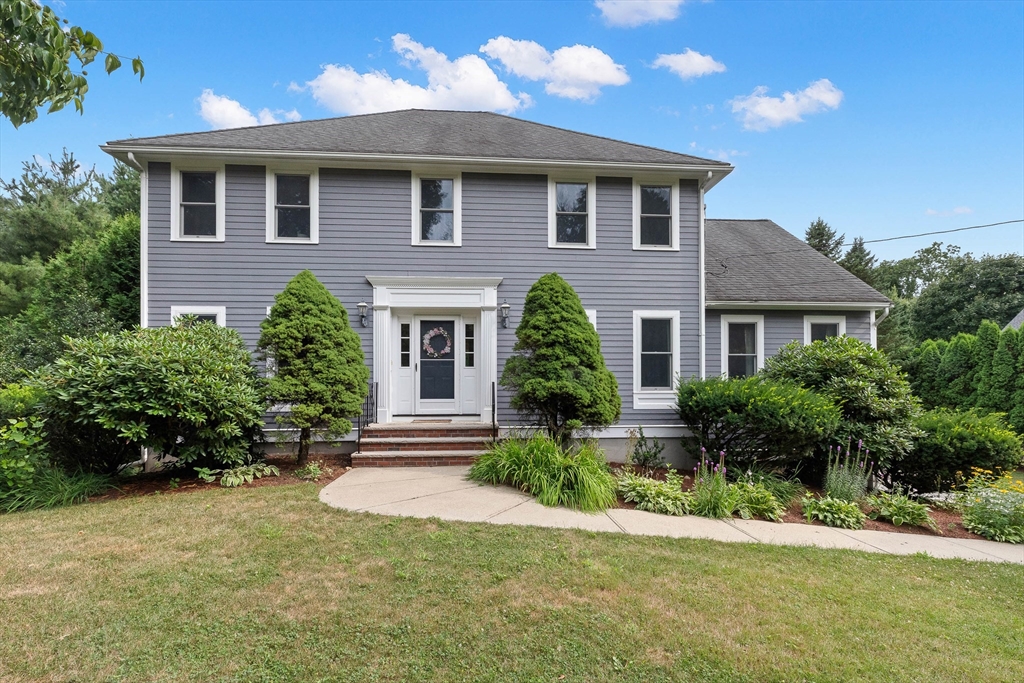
(874, 397)
(189, 392)
(754, 420)
(951, 442)
(319, 369)
(18, 401)
(557, 375)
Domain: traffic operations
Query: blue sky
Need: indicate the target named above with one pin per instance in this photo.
(901, 118)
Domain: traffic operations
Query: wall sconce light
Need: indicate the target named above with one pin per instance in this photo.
(362, 313)
(504, 313)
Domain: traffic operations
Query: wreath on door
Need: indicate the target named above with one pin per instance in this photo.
(429, 348)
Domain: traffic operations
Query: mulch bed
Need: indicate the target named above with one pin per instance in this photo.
(184, 480)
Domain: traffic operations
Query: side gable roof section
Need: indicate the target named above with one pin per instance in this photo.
(1017, 322)
(425, 134)
(758, 262)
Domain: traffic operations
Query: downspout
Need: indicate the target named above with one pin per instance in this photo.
(875, 322)
(702, 302)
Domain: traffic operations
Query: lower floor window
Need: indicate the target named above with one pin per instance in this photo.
(213, 314)
(821, 327)
(742, 344)
(655, 358)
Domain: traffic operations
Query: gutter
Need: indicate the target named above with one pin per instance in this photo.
(702, 285)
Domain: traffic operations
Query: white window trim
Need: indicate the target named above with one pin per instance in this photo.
(456, 209)
(219, 311)
(655, 399)
(591, 182)
(826, 319)
(759, 332)
(219, 196)
(674, 203)
(591, 316)
(314, 205)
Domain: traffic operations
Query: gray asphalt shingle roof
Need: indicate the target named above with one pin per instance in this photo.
(418, 132)
(1017, 322)
(756, 260)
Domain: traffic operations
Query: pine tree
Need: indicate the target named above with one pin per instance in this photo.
(824, 239)
(1017, 411)
(957, 372)
(319, 369)
(984, 350)
(557, 374)
(925, 378)
(1004, 374)
(859, 260)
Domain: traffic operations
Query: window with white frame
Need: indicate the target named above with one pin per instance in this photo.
(742, 345)
(197, 204)
(655, 215)
(293, 206)
(591, 316)
(571, 213)
(821, 327)
(437, 209)
(655, 358)
(214, 314)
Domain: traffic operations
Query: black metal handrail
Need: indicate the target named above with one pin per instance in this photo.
(494, 412)
(368, 415)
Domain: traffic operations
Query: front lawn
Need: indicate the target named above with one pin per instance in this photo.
(268, 584)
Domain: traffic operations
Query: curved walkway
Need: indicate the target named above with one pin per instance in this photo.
(445, 493)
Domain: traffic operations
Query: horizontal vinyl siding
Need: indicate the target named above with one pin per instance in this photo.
(780, 328)
(365, 230)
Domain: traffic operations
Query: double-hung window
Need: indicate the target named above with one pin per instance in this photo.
(437, 209)
(197, 200)
(656, 215)
(213, 314)
(821, 327)
(293, 206)
(655, 358)
(571, 215)
(742, 345)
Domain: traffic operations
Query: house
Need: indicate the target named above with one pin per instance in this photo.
(1017, 322)
(430, 227)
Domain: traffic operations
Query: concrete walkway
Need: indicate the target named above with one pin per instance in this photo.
(445, 493)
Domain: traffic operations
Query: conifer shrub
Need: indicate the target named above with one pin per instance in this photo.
(958, 372)
(1002, 387)
(557, 374)
(874, 397)
(949, 444)
(319, 369)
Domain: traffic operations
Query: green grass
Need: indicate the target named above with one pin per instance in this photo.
(268, 584)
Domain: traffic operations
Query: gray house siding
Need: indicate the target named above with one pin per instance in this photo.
(365, 230)
(780, 328)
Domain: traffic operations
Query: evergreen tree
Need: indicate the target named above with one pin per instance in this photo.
(859, 261)
(557, 375)
(824, 239)
(319, 369)
(1017, 411)
(987, 341)
(925, 374)
(1004, 374)
(957, 372)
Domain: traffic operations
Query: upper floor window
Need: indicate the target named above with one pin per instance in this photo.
(197, 199)
(655, 358)
(571, 221)
(437, 208)
(821, 327)
(292, 206)
(742, 345)
(655, 215)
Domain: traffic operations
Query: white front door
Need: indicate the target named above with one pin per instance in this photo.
(435, 365)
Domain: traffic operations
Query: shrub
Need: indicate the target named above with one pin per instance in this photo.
(52, 487)
(993, 506)
(833, 512)
(236, 476)
(651, 495)
(19, 401)
(949, 442)
(897, 507)
(873, 395)
(189, 392)
(22, 454)
(320, 371)
(643, 453)
(712, 496)
(313, 471)
(755, 500)
(577, 478)
(557, 374)
(757, 421)
(847, 478)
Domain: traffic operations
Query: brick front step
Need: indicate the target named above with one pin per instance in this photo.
(427, 430)
(414, 459)
(424, 443)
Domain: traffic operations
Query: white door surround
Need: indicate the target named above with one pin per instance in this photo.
(433, 297)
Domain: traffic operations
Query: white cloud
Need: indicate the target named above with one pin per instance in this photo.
(689, 64)
(632, 13)
(760, 112)
(465, 83)
(955, 211)
(221, 111)
(577, 72)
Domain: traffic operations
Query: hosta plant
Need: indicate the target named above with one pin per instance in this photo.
(754, 500)
(651, 495)
(236, 476)
(898, 508)
(833, 512)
